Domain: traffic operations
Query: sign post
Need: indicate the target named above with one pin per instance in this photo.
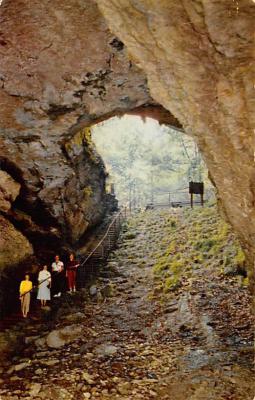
(196, 188)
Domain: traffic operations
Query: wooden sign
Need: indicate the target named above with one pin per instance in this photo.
(196, 188)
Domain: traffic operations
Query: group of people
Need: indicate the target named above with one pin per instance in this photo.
(48, 283)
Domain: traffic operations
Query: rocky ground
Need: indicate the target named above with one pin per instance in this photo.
(152, 326)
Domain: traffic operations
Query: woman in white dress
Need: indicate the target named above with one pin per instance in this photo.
(44, 281)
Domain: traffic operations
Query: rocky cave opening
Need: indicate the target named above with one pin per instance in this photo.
(42, 109)
(187, 64)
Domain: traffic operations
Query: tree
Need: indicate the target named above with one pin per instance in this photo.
(146, 161)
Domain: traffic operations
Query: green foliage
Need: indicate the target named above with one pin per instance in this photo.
(205, 245)
(146, 160)
(173, 224)
(239, 258)
(234, 261)
(177, 265)
(161, 265)
(199, 238)
(130, 235)
(172, 283)
(245, 282)
(171, 248)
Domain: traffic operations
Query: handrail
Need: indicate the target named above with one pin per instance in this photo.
(162, 192)
(103, 238)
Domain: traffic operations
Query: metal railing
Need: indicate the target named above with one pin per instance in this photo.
(174, 204)
(100, 252)
(89, 265)
(98, 256)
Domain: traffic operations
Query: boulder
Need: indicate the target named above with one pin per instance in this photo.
(93, 290)
(9, 190)
(14, 246)
(30, 339)
(124, 388)
(40, 343)
(39, 371)
(63, 336)
(21, 366)
(108, 290)
(76, 317)
(35, 389)
(10, 343)
(106, 349)
(50, 363)
(88, 378)
(55, 393)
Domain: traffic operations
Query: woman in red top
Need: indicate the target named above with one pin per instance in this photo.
(71, 269)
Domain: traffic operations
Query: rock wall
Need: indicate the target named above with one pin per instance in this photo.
(14, 247)
(198, 57)
(60, 70)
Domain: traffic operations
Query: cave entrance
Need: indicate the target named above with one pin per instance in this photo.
(149, 163)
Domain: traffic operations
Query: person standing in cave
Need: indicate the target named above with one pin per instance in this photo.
(58, 278)
(44, 282)
(71, 270)
(24, 294)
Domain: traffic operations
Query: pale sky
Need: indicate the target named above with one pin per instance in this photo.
(129, 123)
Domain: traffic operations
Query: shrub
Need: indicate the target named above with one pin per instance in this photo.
(205, 245)
(239, 258)
(130, 235)
(160, 266)
(171, 248)
(176, 266)
(173, 224)
(172, 283)
(245, 282)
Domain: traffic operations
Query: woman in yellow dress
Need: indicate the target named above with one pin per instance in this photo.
(24, 291)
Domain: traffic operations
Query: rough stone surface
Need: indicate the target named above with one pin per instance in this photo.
(61, 69)
(59, 338)
(21, 366)
(198, 57)
(35, 389)
(9, 190)
(14, 247)
(106, 350)
(93, 290)
(87, 77)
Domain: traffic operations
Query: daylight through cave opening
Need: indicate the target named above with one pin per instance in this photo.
(149, 163)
